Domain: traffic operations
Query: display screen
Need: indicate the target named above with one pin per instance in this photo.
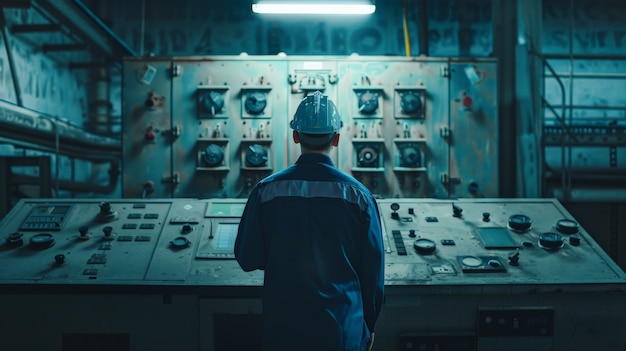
(225, 209)
(225, 236)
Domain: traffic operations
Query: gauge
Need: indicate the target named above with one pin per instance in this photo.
(367, 157)
(410, 156)
(256, 102)
(411, 103)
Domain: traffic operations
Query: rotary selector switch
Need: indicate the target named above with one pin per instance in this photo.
(212, 102)
(255, 102)
(368, 103)
(256, 156)
(213, 155)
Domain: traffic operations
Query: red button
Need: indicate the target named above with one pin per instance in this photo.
(467, 101)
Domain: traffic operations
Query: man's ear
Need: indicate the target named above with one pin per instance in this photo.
(296, 137)
(336, 140)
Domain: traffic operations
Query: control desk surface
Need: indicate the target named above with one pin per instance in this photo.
(515, 245)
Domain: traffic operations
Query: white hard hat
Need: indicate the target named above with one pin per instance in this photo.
(316, 114)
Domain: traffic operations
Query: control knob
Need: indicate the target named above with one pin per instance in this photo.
(15, 239)
(256, 102)
(567, 226)
(520, 222)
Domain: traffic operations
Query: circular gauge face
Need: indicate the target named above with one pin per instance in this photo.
(256, 155)
(213, 155)
(212, 102)
(567, 226)
(368, 103)
(256, 102)
(471, 261)
(410, 156)
(520, 222)
(395, 206)
(367, 157)
(410, 103)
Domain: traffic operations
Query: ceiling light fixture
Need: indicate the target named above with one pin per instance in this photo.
(314, 7)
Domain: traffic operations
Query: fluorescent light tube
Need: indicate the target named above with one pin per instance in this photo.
(314, 8)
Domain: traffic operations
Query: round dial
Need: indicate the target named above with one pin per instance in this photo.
(213, 155)
(410, 103)
(41, 241)
(410, 156)
(256, 155)
(212, 102)
(520, 222)
(256, 102)
(567, 226)
(368, 103)
(551, 241)
(424, 246)
(368, 157)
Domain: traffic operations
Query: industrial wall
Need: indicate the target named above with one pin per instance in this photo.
(205, 127)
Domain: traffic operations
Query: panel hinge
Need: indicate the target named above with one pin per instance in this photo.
(177, 70)
(445, 72)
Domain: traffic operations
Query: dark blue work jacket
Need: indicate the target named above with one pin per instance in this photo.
(316, 232)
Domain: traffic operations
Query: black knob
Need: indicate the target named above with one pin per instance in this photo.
(567, 226)
(411, 210)
(412, 233)
(520, 222)
(574, 240)
(83, 230)
(486, 216)
(456, 211)
(107, 230)
(186, 229)
(15, 239)
(59, 259)
(514, 258)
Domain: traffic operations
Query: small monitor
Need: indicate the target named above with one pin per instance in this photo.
(219, 241)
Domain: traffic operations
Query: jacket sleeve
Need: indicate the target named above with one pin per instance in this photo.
(373, 268)
(250, 244)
